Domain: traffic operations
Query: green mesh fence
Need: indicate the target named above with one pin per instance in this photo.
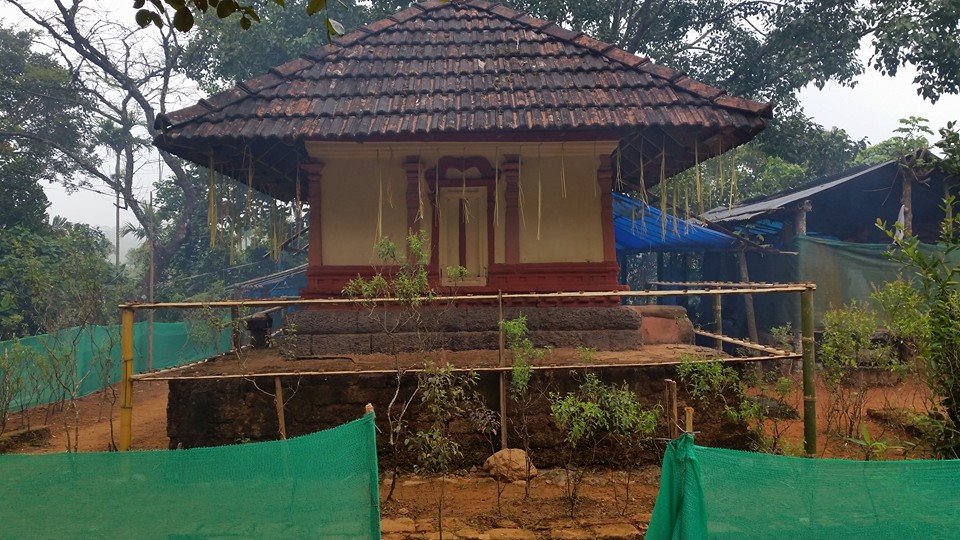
(82, 360)
(715, 493)
(322, 485)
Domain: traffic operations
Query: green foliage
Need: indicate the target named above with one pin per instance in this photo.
(903, 312)
(911, 140)
(586, 355)
(57, 280)
(713, 383)
(410, 285)
(39, 97)
(524, 354)
(217, 55)
(783, 337)
(186, 12)
(847, 342)
(872, 448)
(597, 410)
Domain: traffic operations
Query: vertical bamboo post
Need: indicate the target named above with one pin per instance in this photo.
(688, 423)
(809, 367)
(278, 402)
(235, 327)
(670, 404)
(126, 378)
(718, 320)
(503, 375)
(747, 298)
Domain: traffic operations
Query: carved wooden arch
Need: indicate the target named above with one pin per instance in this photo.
(460, 164)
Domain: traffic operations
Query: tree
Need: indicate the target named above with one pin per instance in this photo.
(125, 79)
(37, 95)
(217, 55)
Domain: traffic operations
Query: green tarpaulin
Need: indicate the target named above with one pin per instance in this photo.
(322, 485)
(716, 493)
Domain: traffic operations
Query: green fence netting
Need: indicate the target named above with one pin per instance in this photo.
(322, 485)
(82, 360)
(716, 493)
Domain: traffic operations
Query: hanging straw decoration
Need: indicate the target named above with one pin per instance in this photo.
(421, 216)
(696, 175)
(563, 171)
(596, 155)
(463, 187)
(379, 232)
(496, 186)
(436, 188)
(249, 205)
(523, 215)
(619, 182)
(663, 195)
(643, 192)
(212, 202)
(686, 207)
(720, 171)
(390, 182)
(733, 178)
(674, 207)
(539, 188)
(297, 201)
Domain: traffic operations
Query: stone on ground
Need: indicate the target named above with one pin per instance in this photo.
(509, 464)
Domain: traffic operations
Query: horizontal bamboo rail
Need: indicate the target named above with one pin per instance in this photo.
(159, 376)
(734, 284)
(715, 289)
(785, 288)
(743, 343)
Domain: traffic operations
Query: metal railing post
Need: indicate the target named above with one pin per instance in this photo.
(809, 369)
(126, 378)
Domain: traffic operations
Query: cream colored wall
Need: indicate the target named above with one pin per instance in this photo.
(570, 229)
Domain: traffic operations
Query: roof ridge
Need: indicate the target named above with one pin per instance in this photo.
(276, 76)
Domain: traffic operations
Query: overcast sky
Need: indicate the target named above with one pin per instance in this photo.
(871, 109)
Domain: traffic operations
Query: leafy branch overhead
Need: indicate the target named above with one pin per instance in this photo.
(185, 13)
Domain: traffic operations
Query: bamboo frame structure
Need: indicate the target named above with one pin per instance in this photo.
(715, 289)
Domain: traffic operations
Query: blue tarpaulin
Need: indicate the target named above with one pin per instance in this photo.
(639, 227)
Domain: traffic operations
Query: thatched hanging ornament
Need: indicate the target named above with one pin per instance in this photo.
(697, 177)
(539, 188)
(421, 217)
(212, 202)
(674, 208)
(686, 206)
(379, 232)
(496, 187)
(523, 215)
(249, 206)
(463, 186)
(720, 171)
(643, 192)
(297, 200)
(596, 187)
(390, 182)
(619, 181)
(563, 171)
(733, 178)
(663, 194)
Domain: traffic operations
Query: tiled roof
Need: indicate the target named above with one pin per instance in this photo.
(453, 68)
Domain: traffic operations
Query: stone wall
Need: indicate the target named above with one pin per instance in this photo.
(227, 411)
(317, 332)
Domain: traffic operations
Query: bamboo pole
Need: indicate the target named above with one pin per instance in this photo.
(688, 423)
(670, 404)
(162, 375)
(784, 288)
(126, 379)
(503, 376)
(718, 321)
(742, 343)
(235, 327)
(809, 367)
(278, 402)
(747, 298)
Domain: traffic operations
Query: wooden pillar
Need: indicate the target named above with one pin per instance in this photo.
(315, 236)
(511, 176)
(747, 298)
(906, 199)
(800, 218)
(412, 167)
(605, 181)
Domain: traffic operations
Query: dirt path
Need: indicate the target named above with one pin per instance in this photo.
(94, 420)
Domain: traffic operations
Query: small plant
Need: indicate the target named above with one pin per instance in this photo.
(713, 384)
(524, 354)
(586, 355)
(847, 346)
(446, 396)
(873, 449)
(594, 414)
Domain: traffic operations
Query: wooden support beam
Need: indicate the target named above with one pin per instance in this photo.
(747, 298)
(670, 406)
(278, 403)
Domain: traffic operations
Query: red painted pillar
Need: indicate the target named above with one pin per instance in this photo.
(511, 175)
(605, 181)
